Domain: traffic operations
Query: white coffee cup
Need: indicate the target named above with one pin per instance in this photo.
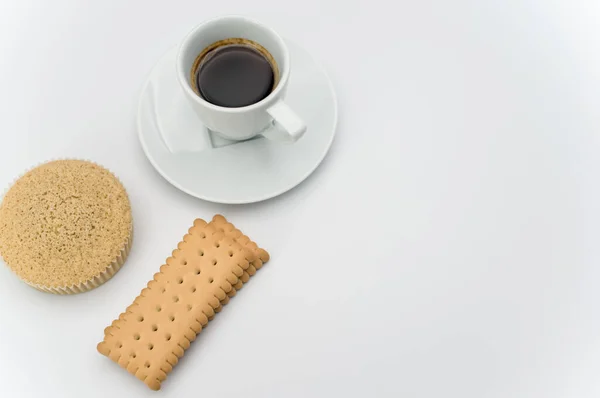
(269, 117)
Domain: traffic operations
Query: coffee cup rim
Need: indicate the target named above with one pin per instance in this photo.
(182, 74)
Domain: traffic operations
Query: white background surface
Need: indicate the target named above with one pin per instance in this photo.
(447, 247)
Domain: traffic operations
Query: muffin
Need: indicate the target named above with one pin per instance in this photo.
(66, 226)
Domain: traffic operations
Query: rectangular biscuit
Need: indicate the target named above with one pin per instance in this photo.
(152, 334)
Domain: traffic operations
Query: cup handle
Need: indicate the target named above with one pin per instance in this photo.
(287, 126)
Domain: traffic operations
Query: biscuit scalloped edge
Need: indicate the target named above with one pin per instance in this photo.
(97, 280)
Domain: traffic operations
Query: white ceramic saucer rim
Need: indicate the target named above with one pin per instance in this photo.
(242, 201)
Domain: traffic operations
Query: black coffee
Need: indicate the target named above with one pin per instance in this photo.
(234, 76)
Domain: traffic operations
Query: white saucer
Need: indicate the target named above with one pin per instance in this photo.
(211, 168)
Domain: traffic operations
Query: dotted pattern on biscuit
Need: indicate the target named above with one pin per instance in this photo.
(152, 334)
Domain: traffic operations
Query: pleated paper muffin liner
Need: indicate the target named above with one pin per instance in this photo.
(97, 280)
